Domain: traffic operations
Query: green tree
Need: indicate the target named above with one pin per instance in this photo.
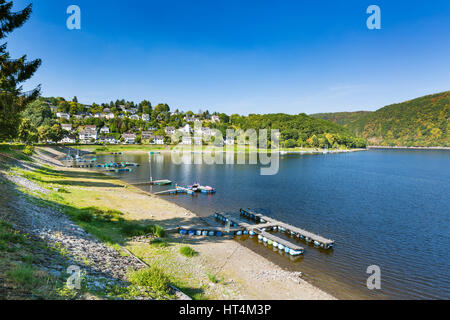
(39, 113)
(43, 133)
(13, 73)
(27, 132)
(56, 133)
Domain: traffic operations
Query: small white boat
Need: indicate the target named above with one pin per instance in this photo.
(265, 239)
(293, 252)
(275, 244)
(280, 246)
(260, 237)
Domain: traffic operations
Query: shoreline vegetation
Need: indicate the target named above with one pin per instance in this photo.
(106, 149)
(409, 148)
(127, 219)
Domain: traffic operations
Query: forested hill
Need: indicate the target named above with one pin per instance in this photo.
(300, 130)
(341, 118)
(420, 122)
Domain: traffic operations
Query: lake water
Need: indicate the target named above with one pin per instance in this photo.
(389, 208)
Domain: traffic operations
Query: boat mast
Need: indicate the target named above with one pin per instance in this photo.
(150, 165)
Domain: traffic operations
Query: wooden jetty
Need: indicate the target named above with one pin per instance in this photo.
(176, 190)
(260, 230)
(318, 240)
(153, 182)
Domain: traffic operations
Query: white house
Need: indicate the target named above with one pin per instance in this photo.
(215, 119)
(189, 119)
(129, 138)
(69, 138)
(109, 115)
(186, 140)
(134, 117)
(169, 130)
(86, 136)
(98, 115)
(147, 135)
(157, 140)
(203, 131)
(63, 115)
(146, 117)
(108, 140)
(186, 129)
(104, 129)
(66, 126)
(53, 108)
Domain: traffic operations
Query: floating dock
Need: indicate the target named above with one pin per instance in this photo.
(163, 182)
(255, 224)
(206, 231)
(176, 191)
(263, 236)
(264, 221)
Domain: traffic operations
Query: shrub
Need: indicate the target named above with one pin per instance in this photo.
(133, 230)
(159, 231)
(188, 251)
(152, 278)
(28, 150)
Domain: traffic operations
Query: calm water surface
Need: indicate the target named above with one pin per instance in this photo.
(383, 207)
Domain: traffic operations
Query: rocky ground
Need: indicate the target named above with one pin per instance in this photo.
(100, 264)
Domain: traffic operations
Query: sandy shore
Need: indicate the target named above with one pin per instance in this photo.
(247, 275)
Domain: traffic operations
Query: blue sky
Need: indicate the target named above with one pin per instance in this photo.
(240, 56)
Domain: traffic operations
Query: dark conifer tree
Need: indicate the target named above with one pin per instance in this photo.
(13, 72)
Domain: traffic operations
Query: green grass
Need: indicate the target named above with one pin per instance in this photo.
(132, 229)
(188, 252)
(151, 280)
(16, 151)
(85, 216)
(27, 277)
(120, 148)
(10, 237)
(214, 279)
